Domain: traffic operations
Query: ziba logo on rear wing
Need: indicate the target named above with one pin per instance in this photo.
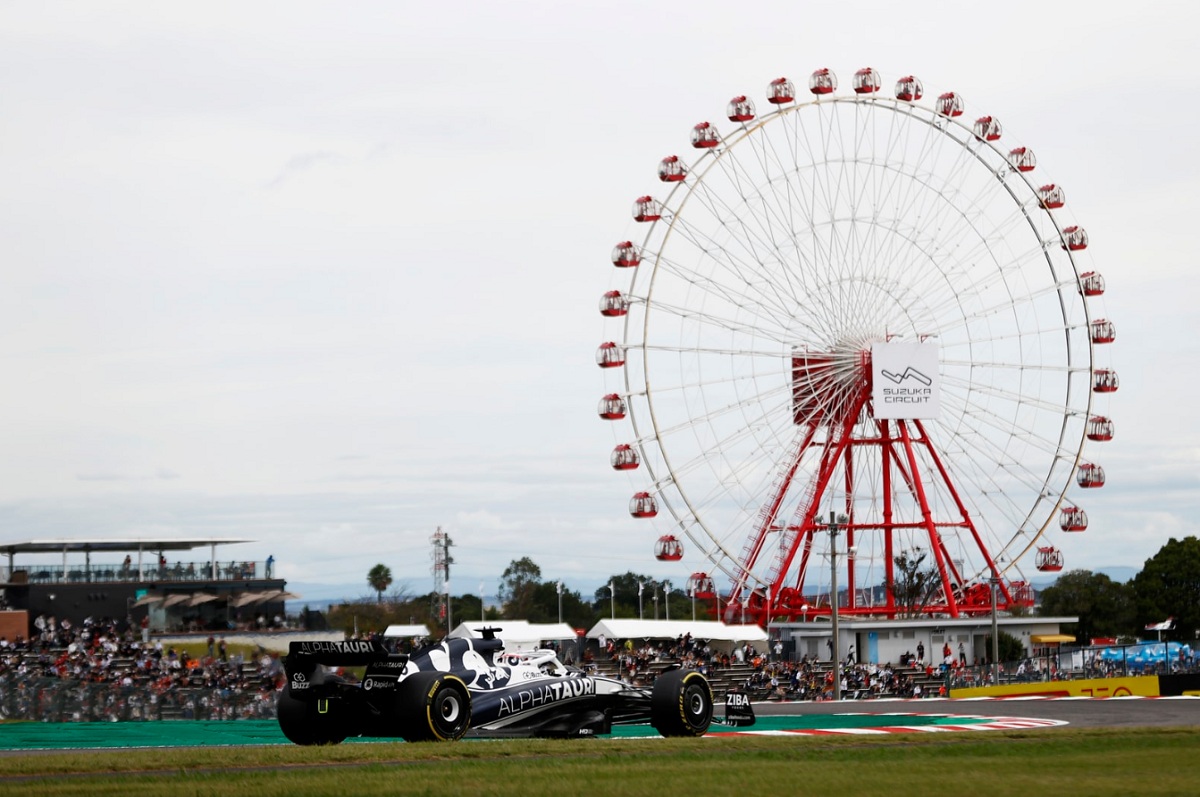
(738, 711)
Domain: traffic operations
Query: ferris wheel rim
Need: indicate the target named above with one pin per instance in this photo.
(690, 516)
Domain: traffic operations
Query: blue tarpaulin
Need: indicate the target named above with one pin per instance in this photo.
(1146, 653)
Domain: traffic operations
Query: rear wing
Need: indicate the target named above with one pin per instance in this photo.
(348, 653)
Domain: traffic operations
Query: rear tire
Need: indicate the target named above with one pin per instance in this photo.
(434, 707)
(681, 703)
(304, 722)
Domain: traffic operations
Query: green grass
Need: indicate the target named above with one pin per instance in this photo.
(1095, 762)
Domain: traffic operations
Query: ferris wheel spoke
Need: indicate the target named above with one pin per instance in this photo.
(726, 293)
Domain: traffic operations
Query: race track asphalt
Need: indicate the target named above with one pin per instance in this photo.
(850, 716)
(1079, 712)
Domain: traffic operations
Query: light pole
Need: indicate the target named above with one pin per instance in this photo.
(834, 521)
(692, 595)
(560, 590)
(667, 598)
(653, 584)
(641, 587)
(994, 582)
(804, 611)
(613, 599)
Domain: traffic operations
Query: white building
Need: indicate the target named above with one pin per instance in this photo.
(882, 641)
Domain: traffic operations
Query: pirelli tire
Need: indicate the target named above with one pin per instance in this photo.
(312, 722)
(681, 703)
(434, 707)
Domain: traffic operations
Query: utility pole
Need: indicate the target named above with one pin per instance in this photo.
(441, 577)
(834, 520)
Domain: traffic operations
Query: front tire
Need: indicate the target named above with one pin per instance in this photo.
(681, 703)
(434, 707)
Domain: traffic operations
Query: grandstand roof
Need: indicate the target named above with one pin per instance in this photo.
(673, 629)
(116, 544)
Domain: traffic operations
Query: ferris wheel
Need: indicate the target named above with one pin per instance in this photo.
(859, 313)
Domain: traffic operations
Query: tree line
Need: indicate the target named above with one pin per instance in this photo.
(1167, 586)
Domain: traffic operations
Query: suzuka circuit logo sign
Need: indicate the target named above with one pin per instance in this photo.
(904, 381)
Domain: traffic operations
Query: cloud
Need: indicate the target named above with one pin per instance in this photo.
(298, 165)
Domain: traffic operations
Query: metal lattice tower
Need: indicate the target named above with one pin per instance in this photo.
(441, 575)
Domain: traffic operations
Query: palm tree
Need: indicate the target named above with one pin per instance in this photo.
(380, 578)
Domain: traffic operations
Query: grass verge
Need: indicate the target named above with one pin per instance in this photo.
(1096, 762)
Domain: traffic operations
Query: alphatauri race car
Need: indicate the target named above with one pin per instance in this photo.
(473, 687)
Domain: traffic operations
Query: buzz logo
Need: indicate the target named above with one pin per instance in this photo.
(299, 681)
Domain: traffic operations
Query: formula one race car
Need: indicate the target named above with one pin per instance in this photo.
(474, 687)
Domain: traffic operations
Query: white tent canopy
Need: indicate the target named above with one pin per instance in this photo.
(703, 630)
(517, 634)
(399, 631)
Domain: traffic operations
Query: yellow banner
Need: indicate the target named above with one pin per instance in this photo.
(1142, 686)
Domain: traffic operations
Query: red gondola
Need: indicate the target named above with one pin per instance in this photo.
(740, 109)
(668, 549)
(705, 136)
(1105, 380)
(949, 104)
(1090, 475)
(866, 81)
(610, 355)
(643, 505)
(822, 82)
(626, 255)
(1074, 238)
(1072, 518)
(780, 91)
(1103, 331)
(670, 170)
(909, 89)
(987, 128)
(613, 304)
(646, 208)
(1049, 559)
(1052, 196)
(612, 407)
(1100, 429)
(1022, 159)
(700, 585)
(1093, 283)
(624, 457)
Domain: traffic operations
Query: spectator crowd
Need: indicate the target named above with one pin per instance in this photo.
(102, 670)
(767, 677)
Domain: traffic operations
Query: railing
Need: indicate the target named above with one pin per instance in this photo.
(1069, 665)
(176, 571)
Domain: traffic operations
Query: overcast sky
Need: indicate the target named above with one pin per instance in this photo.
(324, 275)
